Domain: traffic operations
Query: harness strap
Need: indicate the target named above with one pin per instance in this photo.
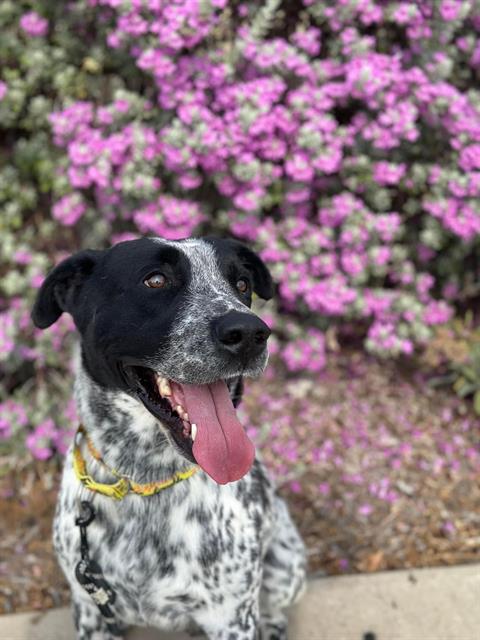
(89, 573)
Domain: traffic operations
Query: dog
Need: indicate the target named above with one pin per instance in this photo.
(190, 534)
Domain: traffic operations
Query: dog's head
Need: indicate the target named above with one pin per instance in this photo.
(169, 322)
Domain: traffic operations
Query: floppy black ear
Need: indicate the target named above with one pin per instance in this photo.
(60, 288)
(262, 280)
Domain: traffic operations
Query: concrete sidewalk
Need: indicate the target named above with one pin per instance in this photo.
(424, 604)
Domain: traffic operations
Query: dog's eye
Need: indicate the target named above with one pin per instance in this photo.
(242, 285)
(156, 281)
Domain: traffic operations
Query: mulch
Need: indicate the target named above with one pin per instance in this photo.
(30, 578)
(431, 513)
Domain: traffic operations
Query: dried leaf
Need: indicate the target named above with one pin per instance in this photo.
(374, 561)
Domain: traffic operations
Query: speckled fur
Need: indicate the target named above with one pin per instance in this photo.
(225, 560)
(192, 356)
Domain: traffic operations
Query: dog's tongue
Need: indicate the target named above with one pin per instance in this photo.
(221, 446)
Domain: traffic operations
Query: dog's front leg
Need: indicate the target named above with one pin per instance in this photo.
(283, 575)
(240, 623)
(233, 632)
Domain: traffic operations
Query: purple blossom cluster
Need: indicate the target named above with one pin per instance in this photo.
(319, 143)
(169, 217)
(12, 416)
(33, 24)
(47, 437)
(307, 353)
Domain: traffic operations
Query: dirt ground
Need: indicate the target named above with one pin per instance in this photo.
(382, 473)
(29, 575)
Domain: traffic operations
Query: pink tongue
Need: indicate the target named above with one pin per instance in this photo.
(221, 446)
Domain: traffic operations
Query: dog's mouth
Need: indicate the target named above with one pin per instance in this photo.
(201, 420)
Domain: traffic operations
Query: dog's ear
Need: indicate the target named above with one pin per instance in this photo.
(262, 280)
(61, 287)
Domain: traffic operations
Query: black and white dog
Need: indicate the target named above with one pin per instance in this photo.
(166, 336)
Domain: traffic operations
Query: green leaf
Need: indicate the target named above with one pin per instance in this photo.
(459, 384)
(439, 381)
(469, 373)
(467, 389)
(476, 402)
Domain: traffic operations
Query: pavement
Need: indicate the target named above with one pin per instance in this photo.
(422, 604)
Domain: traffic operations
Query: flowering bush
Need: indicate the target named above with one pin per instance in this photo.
(341, 139)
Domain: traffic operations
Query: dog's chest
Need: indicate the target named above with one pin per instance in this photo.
(168, 556)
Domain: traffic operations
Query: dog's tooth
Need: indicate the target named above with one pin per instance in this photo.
(185, 416)
(179, 410)
(193, 432)
(164, 387)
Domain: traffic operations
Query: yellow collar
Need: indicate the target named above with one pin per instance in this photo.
(124, 485)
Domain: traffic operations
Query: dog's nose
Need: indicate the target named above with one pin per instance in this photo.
(240, 333)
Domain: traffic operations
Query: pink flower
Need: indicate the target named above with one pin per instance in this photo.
(450, 9)
(475, 59)
(450, 290)
(247, 200)
(22, 257)
(295, 487)
(7, 328)
(190, 180)
(365, 509)
(437, 313)
(353, 263)
(69, 209)
(37, 280)
(324, 488)
(470, 157)
(308, 40)
(299, 167)
(306, 355)
(382, 256)
(33, 24)
(169, 217)
(5, 429)
(387, 173)
(39, 441)
(122, 106)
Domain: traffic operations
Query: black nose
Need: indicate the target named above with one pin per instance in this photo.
(241, 334)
